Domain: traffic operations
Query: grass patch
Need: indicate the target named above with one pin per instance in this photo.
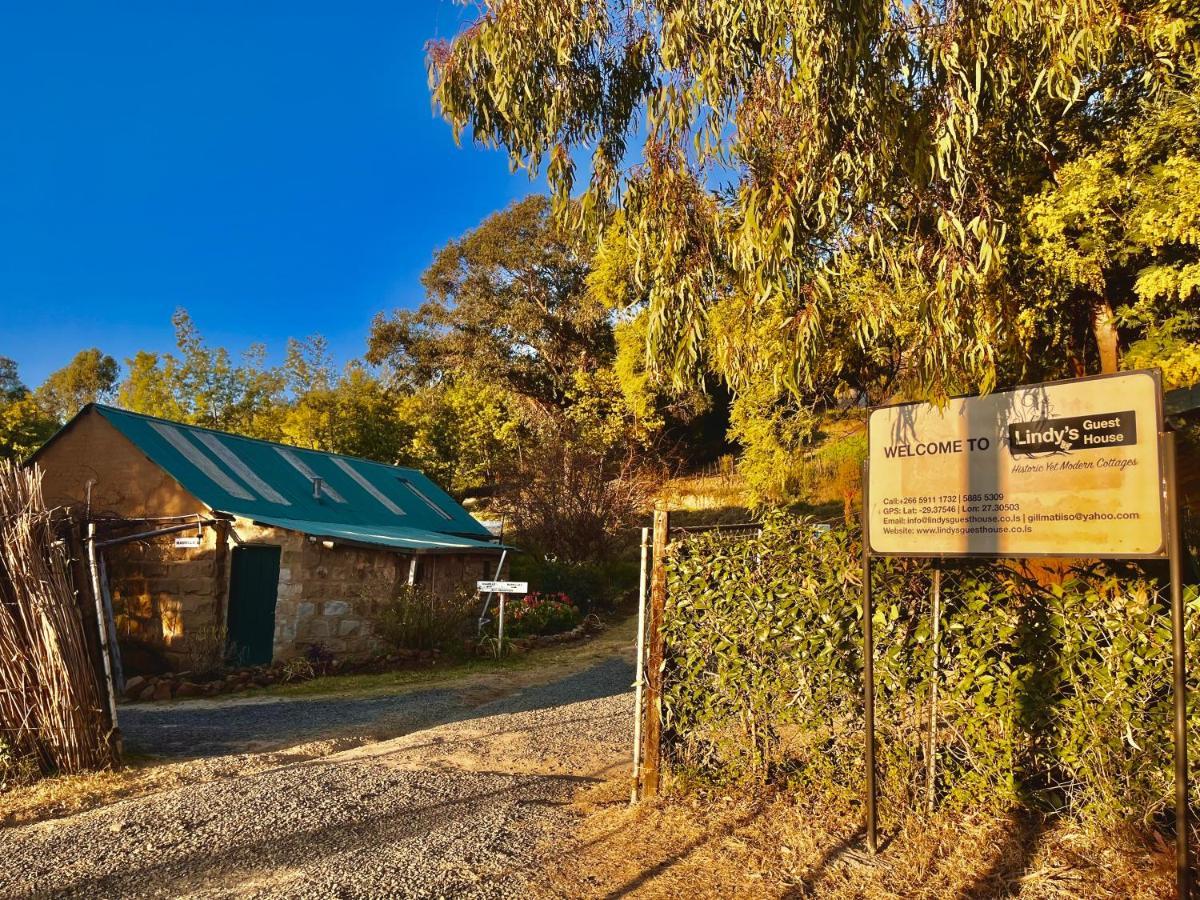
(547, 659)
(382, 682)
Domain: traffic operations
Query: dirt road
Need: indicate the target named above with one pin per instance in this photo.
(466, 808)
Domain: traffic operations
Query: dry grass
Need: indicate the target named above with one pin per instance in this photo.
(705, 492)
(778, 847)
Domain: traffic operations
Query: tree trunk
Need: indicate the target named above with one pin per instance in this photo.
(1104, 329)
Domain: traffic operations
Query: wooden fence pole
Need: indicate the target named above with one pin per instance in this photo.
(652, 734)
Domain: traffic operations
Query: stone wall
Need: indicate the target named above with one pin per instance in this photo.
(168, 601)
(452, 573)
(332, 595)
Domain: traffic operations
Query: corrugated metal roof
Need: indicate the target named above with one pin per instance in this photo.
(358, 499)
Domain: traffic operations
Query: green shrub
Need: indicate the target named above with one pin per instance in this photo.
(591, 585)
(1055, 693)
(416, 619)
(15, 770)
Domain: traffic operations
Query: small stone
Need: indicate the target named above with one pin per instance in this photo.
(134, 686)
(148, 692)
(162, 691)
(187, 689)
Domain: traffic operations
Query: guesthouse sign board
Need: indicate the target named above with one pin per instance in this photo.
(1069, 468)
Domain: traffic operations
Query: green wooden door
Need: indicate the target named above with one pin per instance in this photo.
(253, 584)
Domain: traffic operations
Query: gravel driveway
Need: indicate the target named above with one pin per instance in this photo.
(466, 808)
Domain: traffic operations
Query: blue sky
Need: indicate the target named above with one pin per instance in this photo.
(274, 167)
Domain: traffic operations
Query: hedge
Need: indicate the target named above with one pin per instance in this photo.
(1054, 692)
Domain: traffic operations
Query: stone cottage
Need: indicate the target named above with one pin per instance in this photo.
(268, 547)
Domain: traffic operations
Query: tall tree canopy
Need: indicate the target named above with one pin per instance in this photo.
(202, 385)
(24, 422)
(869, 189)
(508, 302)
(90, 377)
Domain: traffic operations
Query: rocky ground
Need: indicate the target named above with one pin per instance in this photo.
(471, 807)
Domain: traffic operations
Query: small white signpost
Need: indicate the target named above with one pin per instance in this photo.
(503, 588)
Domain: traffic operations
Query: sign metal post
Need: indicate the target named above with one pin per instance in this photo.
(1183, 868)
(868, 614)
(503, 589)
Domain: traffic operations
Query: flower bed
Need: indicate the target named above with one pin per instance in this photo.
(541, 614)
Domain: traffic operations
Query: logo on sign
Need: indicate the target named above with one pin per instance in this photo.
(1067, 435)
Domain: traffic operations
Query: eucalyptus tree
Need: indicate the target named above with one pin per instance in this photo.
(839, 182)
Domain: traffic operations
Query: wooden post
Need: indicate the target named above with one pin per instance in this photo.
(936, 615)
(114, 736)
(652, 734)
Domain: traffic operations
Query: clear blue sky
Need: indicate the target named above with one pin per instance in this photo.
(274, 167)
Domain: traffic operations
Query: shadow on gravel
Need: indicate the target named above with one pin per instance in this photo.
(284, 850)
(257, 724)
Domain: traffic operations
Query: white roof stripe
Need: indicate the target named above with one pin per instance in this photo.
(192, 454)
(298, 464)
(437, 509)
(243, 471)
(367, 486)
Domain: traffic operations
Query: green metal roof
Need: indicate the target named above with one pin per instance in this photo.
(355, 499)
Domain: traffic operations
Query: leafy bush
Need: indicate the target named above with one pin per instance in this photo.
(1054, 692)
(416, 619)
(540, 614)
(15, 769)
(592, 585)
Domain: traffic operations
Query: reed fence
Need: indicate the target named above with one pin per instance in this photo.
(52, 712)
